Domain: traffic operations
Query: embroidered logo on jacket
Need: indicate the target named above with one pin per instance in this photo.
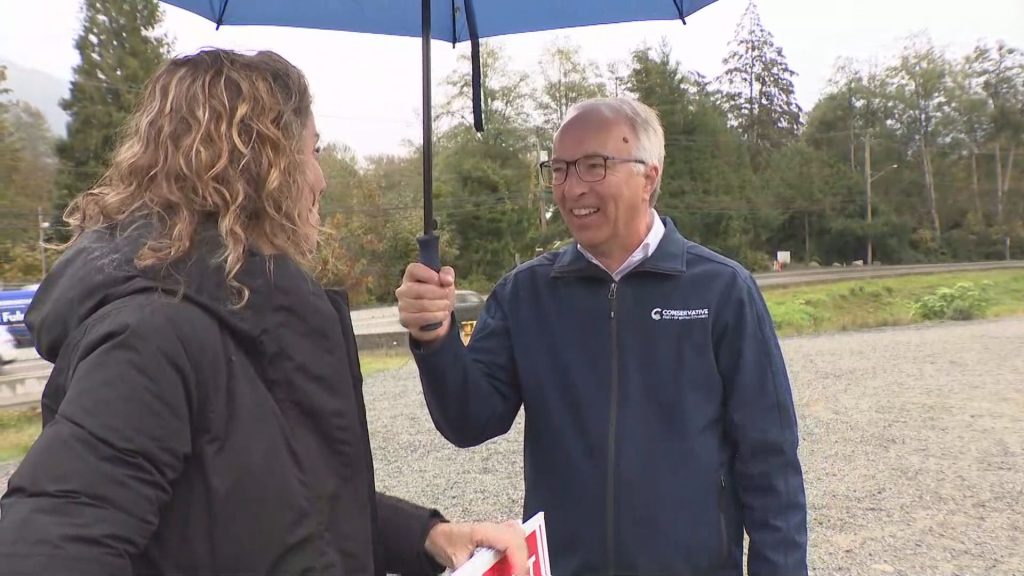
(666, 314)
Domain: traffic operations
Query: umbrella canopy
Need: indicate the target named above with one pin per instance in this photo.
(450, 20)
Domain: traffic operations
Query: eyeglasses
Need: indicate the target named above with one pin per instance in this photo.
(591, 168)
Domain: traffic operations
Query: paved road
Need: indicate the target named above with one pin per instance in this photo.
(817, 275)
(21, 382)
(385, 319)
(381, 320)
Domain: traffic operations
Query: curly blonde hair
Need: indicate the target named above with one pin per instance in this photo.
(216, 135)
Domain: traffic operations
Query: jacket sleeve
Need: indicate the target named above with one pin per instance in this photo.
(472, 393)
(761, 423)
(403, 530)
(85, 499)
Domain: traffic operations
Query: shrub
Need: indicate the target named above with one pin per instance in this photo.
(964, 301)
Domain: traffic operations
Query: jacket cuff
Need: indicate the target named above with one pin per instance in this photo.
(433, 565)
(404, 527)
(428, 348)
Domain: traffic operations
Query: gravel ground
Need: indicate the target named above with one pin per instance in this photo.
(912, 447)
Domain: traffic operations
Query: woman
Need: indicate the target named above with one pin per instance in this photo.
(205, 414)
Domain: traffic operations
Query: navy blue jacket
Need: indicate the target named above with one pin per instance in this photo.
(659, 416)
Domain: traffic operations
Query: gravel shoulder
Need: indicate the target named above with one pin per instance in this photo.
(912, 443)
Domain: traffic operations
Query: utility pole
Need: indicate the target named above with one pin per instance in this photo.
(43, 225)
(542, 155)
(867, 190)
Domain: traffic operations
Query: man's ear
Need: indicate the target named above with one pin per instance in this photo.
(651, 176)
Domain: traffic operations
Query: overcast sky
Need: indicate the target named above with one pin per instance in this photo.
(367, 88)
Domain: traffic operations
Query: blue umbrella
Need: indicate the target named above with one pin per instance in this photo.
(451, 20)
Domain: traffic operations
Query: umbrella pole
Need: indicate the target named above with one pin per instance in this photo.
(428, 137)
(429, 242)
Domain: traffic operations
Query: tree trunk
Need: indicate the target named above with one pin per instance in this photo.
(974, 185)
(807, 239)
(752, 113)
(999, 186)
(851, 110)
(540, 212)
(1009, 170)
(853, 152)
(1006, 190)
(929, 181)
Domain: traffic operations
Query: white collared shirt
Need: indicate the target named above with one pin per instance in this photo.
(643, 252)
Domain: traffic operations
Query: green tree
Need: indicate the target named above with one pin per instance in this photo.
(809, 190)
(970, 122)
(488, 206)
(506, 97)
(566, 80)
(757, 88)
(27, 166)
(488, 200)
(921, 82)
(854, 118)
(1000, 70)
(11, 220)
(119, 50)
(857, 102)
(707, 181)
(372, 215)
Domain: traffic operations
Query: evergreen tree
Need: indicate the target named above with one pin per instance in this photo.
(706, 180)
(757, 89)
(119, 51)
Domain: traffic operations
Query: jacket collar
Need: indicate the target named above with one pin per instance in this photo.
(668, 258)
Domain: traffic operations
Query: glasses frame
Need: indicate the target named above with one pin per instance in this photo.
(546, 165)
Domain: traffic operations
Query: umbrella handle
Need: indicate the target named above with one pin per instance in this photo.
(430, 256)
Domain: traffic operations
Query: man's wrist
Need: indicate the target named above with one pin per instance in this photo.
(435, 544)
(418, 346)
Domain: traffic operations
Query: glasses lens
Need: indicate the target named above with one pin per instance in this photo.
(591, 168)
(553, 173)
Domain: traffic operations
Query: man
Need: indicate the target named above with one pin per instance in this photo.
(659, 417)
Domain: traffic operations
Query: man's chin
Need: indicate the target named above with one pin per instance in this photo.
(588, 242)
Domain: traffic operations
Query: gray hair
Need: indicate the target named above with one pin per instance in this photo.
(645, 123)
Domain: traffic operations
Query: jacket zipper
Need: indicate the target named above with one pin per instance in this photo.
(612, 423)
(721, 516)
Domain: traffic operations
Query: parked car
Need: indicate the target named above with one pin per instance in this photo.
(468, 305)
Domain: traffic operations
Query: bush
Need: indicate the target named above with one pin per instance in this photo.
(20, 264)
(964, 301)
(475, 283)
(754, 260)
(798, 315)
